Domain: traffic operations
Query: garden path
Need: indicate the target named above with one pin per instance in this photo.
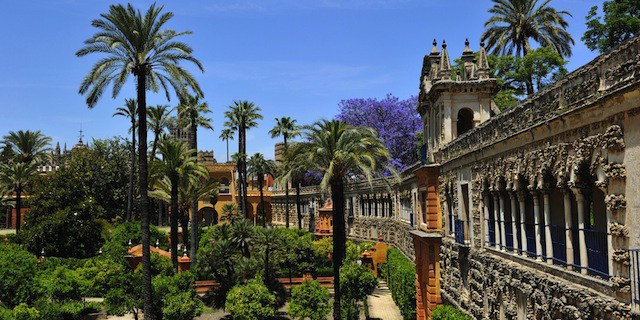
(381, 305)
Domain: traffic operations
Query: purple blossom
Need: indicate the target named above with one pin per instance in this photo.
(395, 120)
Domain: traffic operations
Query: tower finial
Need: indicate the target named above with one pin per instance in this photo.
(444, 71)
(434, 49)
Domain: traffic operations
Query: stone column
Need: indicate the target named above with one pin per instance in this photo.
(537, 220)
(523, 233)
(496, 220)
(503, 235)
(584, 260)
(547, 226)
(514, 214)
(486, 218)
(568, 225)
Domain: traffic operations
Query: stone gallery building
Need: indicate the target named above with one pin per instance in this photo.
(529, 213)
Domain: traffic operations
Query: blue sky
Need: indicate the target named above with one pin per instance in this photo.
(295, 58)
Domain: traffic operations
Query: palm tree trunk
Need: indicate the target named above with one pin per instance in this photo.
(286, 189)
(160, 213)
(299, 206)
(244, 166)
(242, 206)
(155, 143)
(149, 310)
(339, 240)
(132, 171)
(184, 222)
(18, 206)
(227, 150)
(286, 201)
(174, 223)
(9, 212)
(194, 205)
(264, 213)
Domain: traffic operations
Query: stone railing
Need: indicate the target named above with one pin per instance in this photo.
(392, 231)
(596, 80)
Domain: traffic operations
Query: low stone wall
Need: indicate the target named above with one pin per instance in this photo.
(393, 232)
(489, 286)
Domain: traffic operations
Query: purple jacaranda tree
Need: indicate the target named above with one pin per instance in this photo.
(395, 120)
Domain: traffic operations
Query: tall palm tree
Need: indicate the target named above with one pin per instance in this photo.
(129, 111)
(226, 135)
(287, 128)
(294, 169)
(338, 151)
(515, 22)
(191, 115)
(176, 168)
(138, 44)
(28, 146)
(259, 167)
(159, 118)
(242, 116)
(15, 176)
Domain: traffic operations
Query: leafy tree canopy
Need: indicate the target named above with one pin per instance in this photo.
(620, 22)
(395, 121)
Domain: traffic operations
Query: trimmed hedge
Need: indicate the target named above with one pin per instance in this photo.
(446, 312)
(402, 283)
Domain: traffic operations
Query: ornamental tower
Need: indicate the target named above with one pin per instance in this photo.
(454, 101)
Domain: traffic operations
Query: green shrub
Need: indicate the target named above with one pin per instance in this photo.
(310, 300)
(77, 310)
(18, 269)
(402, 279)
(177, 296)
(117, 245)
(160, 266)
(181, 306)
(24, 312)
(445, 312)
(61, 284)
(64, 233)
(356, 283)
(7, 238)
(252, 301)
(6, 314)
(100, 275)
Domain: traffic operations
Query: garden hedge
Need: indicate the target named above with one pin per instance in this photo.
(402, 279)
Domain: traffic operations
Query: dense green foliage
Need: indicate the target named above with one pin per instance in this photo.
(67, 204)
(252, 301)
(18, 270)
(116, 246)
(446, 312)
(24, 312)
(402, 278)
(620, 22)
(309, 300)
(93, 179)
(234, 253)
(356, 283)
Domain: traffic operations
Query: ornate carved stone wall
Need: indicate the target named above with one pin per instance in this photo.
(490, 288)
(571, 139)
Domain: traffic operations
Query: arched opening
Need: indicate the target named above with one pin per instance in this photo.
(465, 121)
(249, 208)
(208, 216)
(267, 212)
